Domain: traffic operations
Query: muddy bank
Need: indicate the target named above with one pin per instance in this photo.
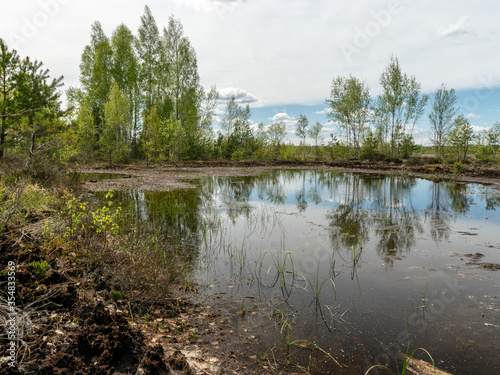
(67, 321)
(173, 176)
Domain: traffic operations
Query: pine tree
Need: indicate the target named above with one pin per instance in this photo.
(9, 67)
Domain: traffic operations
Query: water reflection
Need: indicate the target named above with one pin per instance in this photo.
(388, 210)
(311, 244)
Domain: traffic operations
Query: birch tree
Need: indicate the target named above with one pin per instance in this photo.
(301, 132)
(350, 106)
(444, 109)
(399, 107)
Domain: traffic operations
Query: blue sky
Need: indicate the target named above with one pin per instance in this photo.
(280, 56)
(481, 107)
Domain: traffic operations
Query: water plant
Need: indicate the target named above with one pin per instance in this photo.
(423, 298)
(406, 358)
(285, 333)
(319, 287)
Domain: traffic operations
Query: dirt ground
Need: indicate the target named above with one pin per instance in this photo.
(67, 323)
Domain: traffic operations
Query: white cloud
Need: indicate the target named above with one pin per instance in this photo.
(282, 116)
(221, 7)
(284, 51)
(289, 121)
(472, 115)
(461, 28)
(241, 96)
(478, 129)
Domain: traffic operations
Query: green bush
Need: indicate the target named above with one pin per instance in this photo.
(459, 167)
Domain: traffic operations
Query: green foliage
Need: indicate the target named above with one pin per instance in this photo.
(150, 71)
(154, 137)
(288, 152)
(40, 268)
(30, 113)
(116, 134)
(337, 149)
(443, 111)
(488, 143)
(369, 146)
(86, 130)
(116, 295)
(9, 68)
(20, 199)
(458, 167)
(238, 142)
(315, 133)
(95, 75)
(350, 107)
(399, 106)
(408, 147)
(460, 138)
(277, 134)
(301, 132)
(84, 222)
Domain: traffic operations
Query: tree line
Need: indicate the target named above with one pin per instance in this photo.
(384, 126)
(140, 97)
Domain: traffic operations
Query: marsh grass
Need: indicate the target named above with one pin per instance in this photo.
(407, 357)
(22, 201)
(319, 287)
(423, 298)
(301, 344)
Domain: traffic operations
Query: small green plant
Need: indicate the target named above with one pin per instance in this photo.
(117, 295)
(102, 221)
(458, 166)
(285, 334)
(423, 297)
(47, 232)
(192, 337)
(318, 287)
(243, 309)
(40, 268)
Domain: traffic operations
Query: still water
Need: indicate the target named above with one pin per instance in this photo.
(358, 265)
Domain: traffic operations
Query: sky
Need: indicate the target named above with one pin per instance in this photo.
(280, 56)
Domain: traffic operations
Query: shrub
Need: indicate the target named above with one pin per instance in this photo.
(459, 167)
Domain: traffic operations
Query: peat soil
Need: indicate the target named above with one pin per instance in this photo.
(68, 323)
